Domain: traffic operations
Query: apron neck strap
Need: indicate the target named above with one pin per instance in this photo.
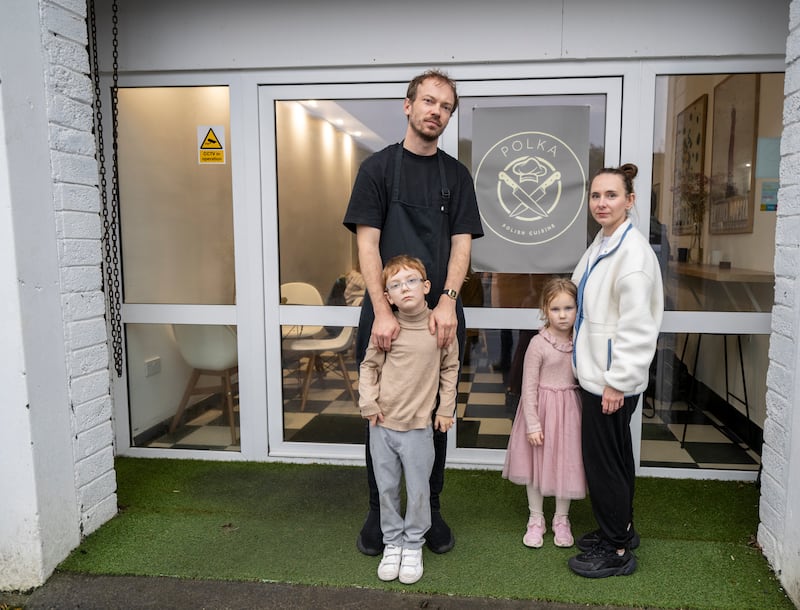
(398, 165)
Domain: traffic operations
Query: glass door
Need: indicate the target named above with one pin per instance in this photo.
(313, 139)
(564, 130)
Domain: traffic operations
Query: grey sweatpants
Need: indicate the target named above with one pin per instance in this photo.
(395, 454)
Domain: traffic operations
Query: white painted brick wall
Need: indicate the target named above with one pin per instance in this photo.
(94, 440)
(71, 140)
(94, 466)
(97, 490)
(79, 225)
(98, 514)
(93, 413)
(784, 292)
(777, 530)
(86, 332)
(79, 230)
(77, 197)
(88, 387)
(83, 305)
(80, 251)
(82, 279)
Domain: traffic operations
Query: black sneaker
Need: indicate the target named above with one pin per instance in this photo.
(439, 538)
(588, 541)
(603, 561)
(370, 538)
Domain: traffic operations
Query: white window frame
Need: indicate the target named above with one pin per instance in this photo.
(629, 136)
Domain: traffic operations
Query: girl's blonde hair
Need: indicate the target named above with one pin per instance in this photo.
(551, 290)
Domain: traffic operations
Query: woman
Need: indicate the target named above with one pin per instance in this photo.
(620, 306)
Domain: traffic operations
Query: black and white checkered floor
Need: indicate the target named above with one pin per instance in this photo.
(485, 415)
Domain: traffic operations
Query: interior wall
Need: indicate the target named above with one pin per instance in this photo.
(176, 213)
(154, 399)
(314, 181)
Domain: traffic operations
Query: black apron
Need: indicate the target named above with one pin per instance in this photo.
(417, 229)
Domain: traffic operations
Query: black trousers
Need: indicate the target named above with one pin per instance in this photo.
(609, 465)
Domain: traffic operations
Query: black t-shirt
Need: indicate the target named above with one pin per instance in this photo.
(420, 183)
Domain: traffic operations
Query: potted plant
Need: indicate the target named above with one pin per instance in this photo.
(692, 190)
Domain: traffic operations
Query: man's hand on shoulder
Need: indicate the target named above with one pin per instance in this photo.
(443, 321)
(385, 329)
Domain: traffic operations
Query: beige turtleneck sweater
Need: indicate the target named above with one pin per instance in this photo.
(402, 384)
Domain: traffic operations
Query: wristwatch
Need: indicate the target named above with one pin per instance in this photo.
(451, 293)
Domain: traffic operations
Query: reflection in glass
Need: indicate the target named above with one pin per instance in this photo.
(176, 211)
(320, 385)
(183, 386)
(320, 146)
(715, 263)
(487, 393)
(699, 410)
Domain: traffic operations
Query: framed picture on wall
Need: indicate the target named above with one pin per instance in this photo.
(690, 147)
(733, 150)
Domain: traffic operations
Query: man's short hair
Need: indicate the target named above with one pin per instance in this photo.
(411, 92)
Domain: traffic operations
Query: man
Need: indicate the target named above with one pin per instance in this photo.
(412, 198)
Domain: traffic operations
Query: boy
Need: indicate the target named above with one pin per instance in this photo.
(397, 394)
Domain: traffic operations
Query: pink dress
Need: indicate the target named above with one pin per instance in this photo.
(549, 402)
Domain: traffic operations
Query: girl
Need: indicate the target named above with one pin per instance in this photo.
(544, 449)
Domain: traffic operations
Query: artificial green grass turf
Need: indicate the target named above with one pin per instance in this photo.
(298, 523)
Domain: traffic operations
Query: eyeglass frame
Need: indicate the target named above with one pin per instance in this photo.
(411, 283)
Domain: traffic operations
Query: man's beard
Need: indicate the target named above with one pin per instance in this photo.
(427, 136)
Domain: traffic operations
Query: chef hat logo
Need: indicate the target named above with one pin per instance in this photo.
(529, 170)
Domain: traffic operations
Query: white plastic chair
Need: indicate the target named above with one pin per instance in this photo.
(300, 293)
(210, 350)
(318, 349)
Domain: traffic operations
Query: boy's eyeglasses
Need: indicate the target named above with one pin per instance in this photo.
(410, 283)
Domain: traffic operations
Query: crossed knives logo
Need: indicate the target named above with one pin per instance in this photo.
(529, 179)
(531, 200)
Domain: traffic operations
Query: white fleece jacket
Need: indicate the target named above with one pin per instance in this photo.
(620, 307)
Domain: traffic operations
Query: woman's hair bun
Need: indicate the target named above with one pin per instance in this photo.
(630, 170)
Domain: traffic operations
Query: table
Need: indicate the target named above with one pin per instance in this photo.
(724, 278)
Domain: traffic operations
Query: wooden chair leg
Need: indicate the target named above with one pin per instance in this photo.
(312, 359)
(227, 389)
(187, 393)
(346, 376)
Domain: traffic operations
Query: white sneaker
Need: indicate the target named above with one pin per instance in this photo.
(411, 566)
(389, 567)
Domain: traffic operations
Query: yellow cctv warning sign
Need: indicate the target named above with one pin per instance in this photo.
(211, 144)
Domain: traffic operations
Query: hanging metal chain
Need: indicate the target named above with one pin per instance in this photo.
(109, 209)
